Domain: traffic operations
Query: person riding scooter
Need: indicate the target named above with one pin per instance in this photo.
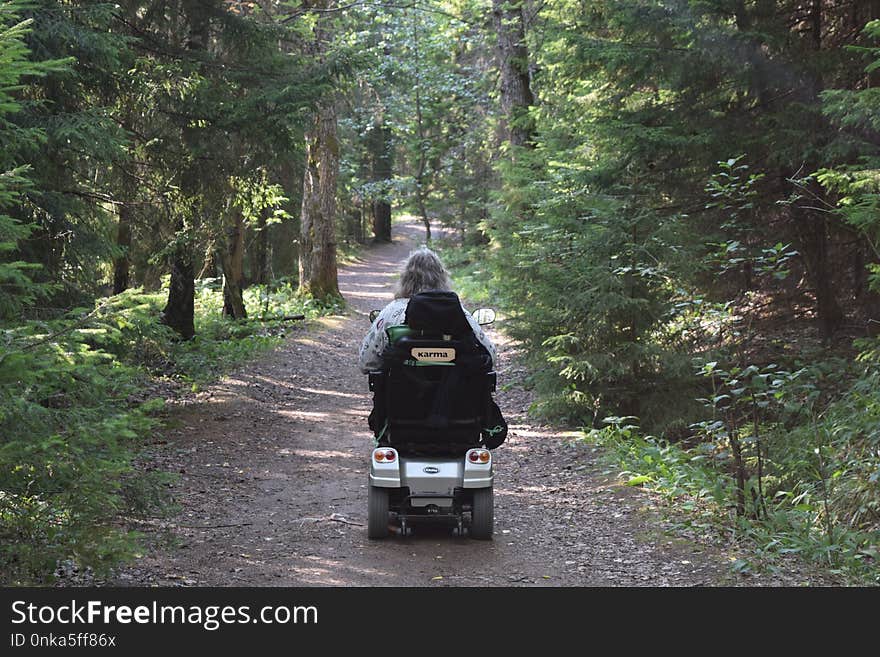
(431, 371)
(422, 272)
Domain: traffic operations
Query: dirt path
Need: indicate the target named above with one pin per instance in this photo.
(273, 460)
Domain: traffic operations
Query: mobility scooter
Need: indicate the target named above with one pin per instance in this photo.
(434, 421)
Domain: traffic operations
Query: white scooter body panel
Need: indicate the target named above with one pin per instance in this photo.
(431, 476)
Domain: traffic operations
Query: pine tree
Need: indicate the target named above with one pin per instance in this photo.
(18, 289)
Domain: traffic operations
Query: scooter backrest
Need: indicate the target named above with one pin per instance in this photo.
(437, 313)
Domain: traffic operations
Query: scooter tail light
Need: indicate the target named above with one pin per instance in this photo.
(484, 457)
(384, 455)
(473, 457)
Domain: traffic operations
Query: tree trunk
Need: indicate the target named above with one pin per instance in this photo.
(260, 261)
(286, 235)
(813, 233)
(317, 256)
(423, 210)
(179, 311)
(741, 16)
(513, 60)
(122, 263)
(739, 471)
(420, 131)
(381, 221)
(816, 24)
(232, 260)
(382, 159)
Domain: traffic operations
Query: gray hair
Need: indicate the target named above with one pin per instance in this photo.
(421, 272)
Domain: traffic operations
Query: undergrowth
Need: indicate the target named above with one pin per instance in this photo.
(816, 493)
(79, 395)
(781, 460)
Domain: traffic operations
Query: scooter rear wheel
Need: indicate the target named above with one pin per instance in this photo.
(377, 512)
(483, 514)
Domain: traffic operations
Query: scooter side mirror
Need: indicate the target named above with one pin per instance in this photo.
(484, 316)
(373, 315)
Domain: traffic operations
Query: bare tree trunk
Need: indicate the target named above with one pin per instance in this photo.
(739, 470)
(122, 263)
(813, 233)
(260, 262)
(317, 256)
(741, 16)
(179, 311)
(382, 157)
(423, 210)
(513, 60)
(285, 252)
(420, 131)
(816, 24)
(232, 260)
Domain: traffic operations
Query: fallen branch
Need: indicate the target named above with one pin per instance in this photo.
(67, 329)
(337, 518)
(283, 318)
(334, 517)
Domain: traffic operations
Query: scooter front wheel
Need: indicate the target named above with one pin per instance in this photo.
(377, 512)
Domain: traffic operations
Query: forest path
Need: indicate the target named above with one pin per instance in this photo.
(273, 470)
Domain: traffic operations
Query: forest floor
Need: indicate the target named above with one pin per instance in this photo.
(272, 473)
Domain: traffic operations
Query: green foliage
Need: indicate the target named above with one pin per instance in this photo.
(695, 480)
(68, 107)
(423, 79)
(817, 493)
(610, 225)
(857, 185)
(17, 287)
(472, 276)
(588, 275)
(77, 399)
(620, 261)
(70, 427)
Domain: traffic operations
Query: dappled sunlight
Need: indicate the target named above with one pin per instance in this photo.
(317, 454)
(370, 296)
(331, 321)
(372, 285)
(333, 393)
(529, 432)
(330, 571)
(530, 496)
(280, 383)
(303, 415)
(360, 414)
